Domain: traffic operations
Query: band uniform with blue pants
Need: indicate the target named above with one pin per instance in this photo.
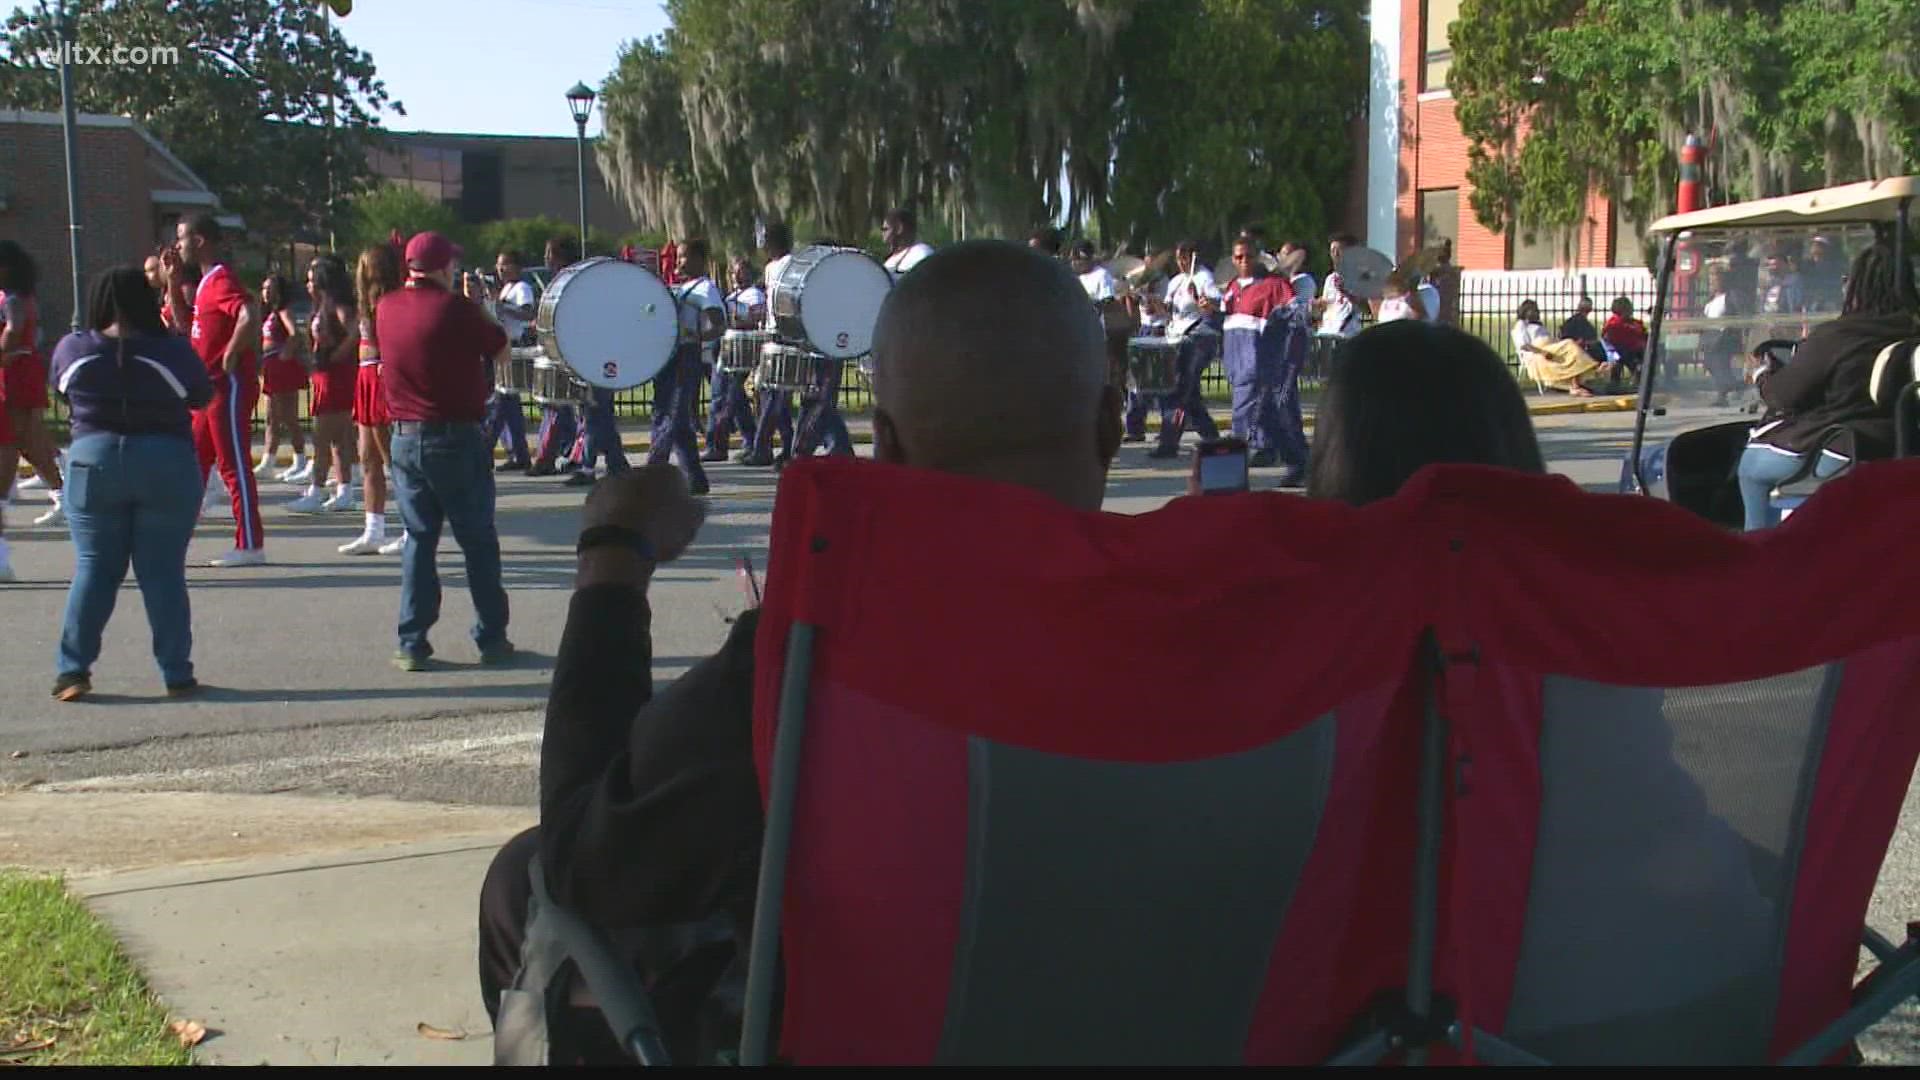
(776, 416)
(1295, 345)
(601, 437)
(821, 424)
(1186, 408)
(728, 408)
(677, 386)
(1190, 302)
(1253, 360)
(559, 429)
(507, 423)
(133, 484)
(1134, 426)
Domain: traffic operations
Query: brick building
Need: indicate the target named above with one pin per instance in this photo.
(132, 191)
(1417, 191)
(490, 177)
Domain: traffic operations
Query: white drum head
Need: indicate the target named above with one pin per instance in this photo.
(614, 324)
(841, 303)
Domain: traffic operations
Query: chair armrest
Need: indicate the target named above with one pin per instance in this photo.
(558, 935)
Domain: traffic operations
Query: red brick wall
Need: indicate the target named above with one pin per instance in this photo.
(1433, 154)
(115, 205)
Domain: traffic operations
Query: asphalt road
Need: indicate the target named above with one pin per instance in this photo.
(295, 653)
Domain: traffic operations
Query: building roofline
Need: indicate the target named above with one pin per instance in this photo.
(104, 120)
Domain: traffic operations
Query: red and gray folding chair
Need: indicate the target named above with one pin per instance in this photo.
(1053, 787)
(1661, 775)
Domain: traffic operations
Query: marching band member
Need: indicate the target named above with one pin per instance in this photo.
(1260, 365)
(225, 331)
(820, 421)
(728, 407)
(1337, 314)
(702, 320)
(1191, 301)
(1098, 281)
(1045, 240)
(901, 231)
(558, 427)
(513, 307)
(776, 406)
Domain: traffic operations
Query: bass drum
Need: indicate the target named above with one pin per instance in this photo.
(611, 323)
(828, 298)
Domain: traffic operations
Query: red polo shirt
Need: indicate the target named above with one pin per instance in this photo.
(217, 304)
(436, 353)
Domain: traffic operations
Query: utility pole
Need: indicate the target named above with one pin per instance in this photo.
(71, 137)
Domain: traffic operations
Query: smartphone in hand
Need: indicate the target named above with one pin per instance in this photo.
(1220, 467)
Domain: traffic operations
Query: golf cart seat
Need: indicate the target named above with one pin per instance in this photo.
(1896, 375)
(1696, 470)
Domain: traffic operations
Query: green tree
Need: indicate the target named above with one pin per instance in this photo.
(246, 107)
(1236, 111)
(390, 207)
(1560, 95)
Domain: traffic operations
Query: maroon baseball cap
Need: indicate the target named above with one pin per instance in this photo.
(429, 251)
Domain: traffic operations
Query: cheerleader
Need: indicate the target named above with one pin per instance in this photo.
(23, 376)
(282, 378)
(335, 367)
(377, 274)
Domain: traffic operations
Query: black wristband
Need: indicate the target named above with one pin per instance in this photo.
(617, 535)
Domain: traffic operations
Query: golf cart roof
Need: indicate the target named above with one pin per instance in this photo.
(1869, 200)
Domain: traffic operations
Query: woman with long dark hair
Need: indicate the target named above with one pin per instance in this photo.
(1827, 386)
(282, 377)
(334, 361)
(1408, 394)
(23, 375)
(133, 492)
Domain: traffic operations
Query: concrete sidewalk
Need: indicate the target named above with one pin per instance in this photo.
(315, 960)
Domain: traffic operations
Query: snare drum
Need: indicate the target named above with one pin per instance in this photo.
(554, 384)
(1153, 364)
(785, 368)
(611, 323)
(513, 374)
(829, 298)
(740, 350)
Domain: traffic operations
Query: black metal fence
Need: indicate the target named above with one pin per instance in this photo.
(1489, 304)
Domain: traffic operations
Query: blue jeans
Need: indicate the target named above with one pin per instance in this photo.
(443, 475)
(1760, 470)
(131, 499)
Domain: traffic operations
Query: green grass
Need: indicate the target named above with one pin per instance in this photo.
(68, 995)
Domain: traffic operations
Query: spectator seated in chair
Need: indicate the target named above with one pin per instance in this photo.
(1558, 363)
(650, 806)
(1626, 336)
(1822, 402)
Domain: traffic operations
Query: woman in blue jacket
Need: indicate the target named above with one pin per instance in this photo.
(133, 482)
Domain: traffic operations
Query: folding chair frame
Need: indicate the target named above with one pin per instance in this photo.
(1420, 1019)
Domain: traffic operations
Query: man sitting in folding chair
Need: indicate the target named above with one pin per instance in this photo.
(650, 806)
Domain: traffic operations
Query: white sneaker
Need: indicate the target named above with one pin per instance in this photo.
(265, 467)
(31, 483)
(309, 503)
(396, 545)
(341, 500)
(302, 475)
(365, 545)
(241, 557)
(55, 516)
(219, 509)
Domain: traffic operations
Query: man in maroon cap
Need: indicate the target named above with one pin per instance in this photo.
(438, 351)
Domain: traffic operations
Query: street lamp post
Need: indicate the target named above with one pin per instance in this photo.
(580, 103)
(71, 137)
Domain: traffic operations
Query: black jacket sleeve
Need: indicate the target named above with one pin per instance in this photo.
(1802, 384)
(649, 805)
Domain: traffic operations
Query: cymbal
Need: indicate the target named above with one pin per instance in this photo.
(1127, 267)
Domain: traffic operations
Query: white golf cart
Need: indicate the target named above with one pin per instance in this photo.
(1741, 285)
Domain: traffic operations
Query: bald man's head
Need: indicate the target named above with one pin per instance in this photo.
(989, 361)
